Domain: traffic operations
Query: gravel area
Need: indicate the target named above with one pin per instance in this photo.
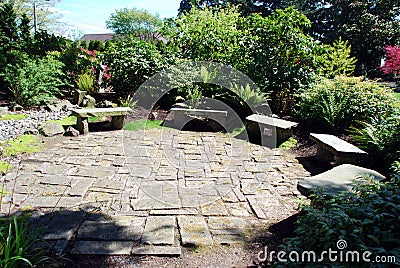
(10, 129)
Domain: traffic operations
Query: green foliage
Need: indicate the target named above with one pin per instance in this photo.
(13, 117)
(85, 82)
(248, 96)
(18, 244)
(131, 63)
(209, 35)
(367, 25)
(335, 104)
(283, 57)
(366, 218)
(336, 60)
(380, 135)
(34, 81)
(273, 51)
(289, 144)
(24, 144)
(143, 124)
(4, 168)
(96, 45)
(136, 22)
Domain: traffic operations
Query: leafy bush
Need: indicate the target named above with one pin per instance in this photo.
(336, 60)
(282, 56)
(392, 62)
(17, 244)
(85, 82)
(131, 63)
(34, 81)
(380, 136)
(336, 104)
(367, 219)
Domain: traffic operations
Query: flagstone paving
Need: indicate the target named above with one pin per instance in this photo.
(151, 192)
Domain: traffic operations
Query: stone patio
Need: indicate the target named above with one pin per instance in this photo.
(151, 192)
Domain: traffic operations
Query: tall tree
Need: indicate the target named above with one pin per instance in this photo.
(46, 18)
(367, 25)
(246, 7)
(137, 22)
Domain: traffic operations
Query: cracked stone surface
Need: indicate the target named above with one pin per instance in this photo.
(151, 192)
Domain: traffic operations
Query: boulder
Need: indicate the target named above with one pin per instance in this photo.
(78, 97)
(50, 129)
(31, 131)
(3, 110)
(340, 178)
(63, 105)
(89, 101)
(71, 132)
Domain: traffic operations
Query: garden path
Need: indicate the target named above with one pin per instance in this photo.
(152, 192)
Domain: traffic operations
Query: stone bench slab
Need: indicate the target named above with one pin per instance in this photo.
(340, 178)
(343, 151)
(274, 131)
(116, 113)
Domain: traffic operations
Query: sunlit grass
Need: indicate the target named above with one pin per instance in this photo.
(143, 124)
(24, 144)
(13, 117)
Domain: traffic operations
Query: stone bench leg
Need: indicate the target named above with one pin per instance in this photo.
(117, 122)
(82, 125)
(323, 155)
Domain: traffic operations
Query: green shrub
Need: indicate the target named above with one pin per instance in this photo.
(34, 81)
(335, 104)
(336, 60)
(380, 136)
(17, 244)
(85, 82)
(131, 63)
(367, 219)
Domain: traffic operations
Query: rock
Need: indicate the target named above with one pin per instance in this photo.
(78, 97)
(50, 129)
(63, 105)
(89, 101)
(106, 104)
(340, 178)
(17, 107)
(72, 132)
(3, 110)
(32, 131)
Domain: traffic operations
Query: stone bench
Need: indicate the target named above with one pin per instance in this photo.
(342, 151)
(340, 178)
(182, 116)
(117, 115)
(274, 131)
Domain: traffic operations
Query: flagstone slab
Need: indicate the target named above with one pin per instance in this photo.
(159, 230)
(194, 231)
(129, 230)
(102, 248)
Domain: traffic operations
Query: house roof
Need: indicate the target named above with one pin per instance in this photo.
(101, 37)
(104, 37)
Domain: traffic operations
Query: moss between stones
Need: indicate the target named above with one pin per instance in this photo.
(13, 117)
(24, 144)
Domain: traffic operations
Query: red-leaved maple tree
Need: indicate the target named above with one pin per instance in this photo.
(392, 62)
